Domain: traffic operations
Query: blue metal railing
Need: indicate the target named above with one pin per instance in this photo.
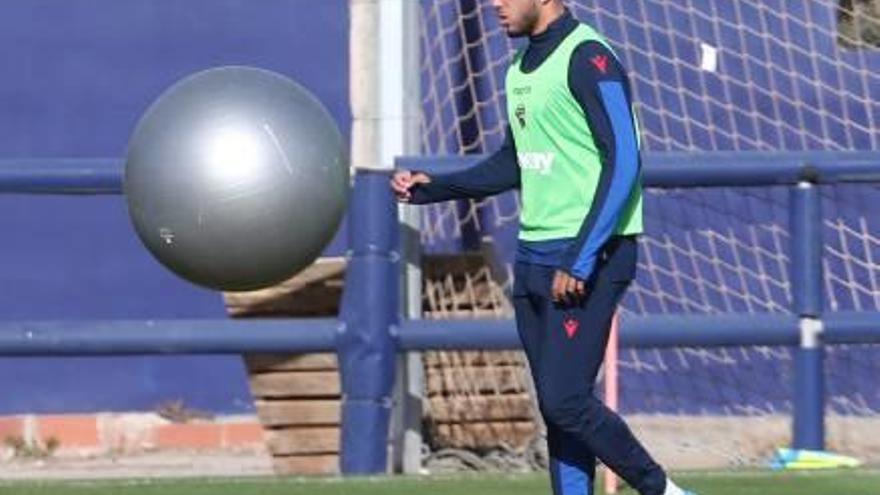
(808, 327)
(61, 176)
(367, 333)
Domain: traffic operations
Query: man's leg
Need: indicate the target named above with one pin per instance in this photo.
(572, 467)
(572, 352)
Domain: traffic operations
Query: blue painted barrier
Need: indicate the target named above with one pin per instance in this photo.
(851, 328)
(145, 337)
(368, 334)
(61, 176)
(806, 280)
(723, 330)
(665, 170)
(718, 169)
(369, 309)
(804, 327)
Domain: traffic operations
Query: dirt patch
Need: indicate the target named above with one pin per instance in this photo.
(707, 442)
(155, 465)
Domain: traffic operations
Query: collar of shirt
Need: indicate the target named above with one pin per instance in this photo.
(542, 45)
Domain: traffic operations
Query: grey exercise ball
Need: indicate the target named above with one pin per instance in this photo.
(236, 178)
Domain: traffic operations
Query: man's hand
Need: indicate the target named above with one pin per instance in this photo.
(403, 181)
(567, 289)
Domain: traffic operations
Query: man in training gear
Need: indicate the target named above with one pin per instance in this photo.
(572, 148)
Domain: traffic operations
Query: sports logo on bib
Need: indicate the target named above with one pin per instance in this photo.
(542, 163)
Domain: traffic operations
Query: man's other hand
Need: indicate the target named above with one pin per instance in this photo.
(567, 289)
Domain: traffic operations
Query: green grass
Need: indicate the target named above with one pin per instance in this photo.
(850, 482)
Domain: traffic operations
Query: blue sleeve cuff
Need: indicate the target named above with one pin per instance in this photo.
(584, 269)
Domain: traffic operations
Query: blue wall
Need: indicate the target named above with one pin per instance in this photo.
(76, 76)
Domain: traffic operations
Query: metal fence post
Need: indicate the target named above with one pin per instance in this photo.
(806, 282)
(410, 388)
(369, 314)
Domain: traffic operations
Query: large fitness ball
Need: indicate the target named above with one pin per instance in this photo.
(236, 178)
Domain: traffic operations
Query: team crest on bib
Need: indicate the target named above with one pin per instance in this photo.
(521, 115)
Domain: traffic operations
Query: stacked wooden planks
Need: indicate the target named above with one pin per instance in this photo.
(473, 400)
(477, 401)
(297, 398)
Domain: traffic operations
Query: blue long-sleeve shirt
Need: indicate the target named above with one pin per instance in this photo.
(600, 86)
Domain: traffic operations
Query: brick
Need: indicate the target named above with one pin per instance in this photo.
(189, 436)
(11, 427)
(130, 432)
(242, 435)
(69, 430)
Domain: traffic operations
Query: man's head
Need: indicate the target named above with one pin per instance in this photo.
(526, 17)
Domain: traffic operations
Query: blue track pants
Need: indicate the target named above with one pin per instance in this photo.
(565, 345)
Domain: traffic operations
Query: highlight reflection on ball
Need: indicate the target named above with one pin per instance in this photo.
(236, 178)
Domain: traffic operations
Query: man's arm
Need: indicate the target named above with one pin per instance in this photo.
(599, 84)
(496, 174)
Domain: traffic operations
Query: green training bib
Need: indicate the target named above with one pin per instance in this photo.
(558, 159)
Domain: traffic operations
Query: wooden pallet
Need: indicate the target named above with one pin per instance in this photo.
(477, 400)
(473, 400)
(297, 399)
